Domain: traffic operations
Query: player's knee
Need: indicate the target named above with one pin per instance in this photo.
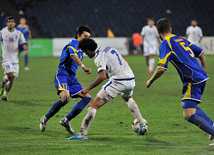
(87, 99)
(126, 99)
(10, 76)
(93, 105)
(186, 117)
(65, 99)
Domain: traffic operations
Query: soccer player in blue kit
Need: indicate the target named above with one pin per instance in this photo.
(66, 83)
(27, 34)
(182, 54)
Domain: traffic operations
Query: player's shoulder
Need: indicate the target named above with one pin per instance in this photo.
(146, 26)
(198, 27)
(189, 27)
(18, 31)
(105, 49)
(74, 43)
(154, 27)
(168, 40)
(4, 29)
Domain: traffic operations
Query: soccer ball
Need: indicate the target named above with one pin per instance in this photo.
(136, 126)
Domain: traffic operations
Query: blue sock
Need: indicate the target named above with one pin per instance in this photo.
(78, 108)
(201, 123)
(26, 60)
(200, 112)
(54, 109)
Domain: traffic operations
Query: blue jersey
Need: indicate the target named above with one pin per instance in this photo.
(24, 29)
(182, 54)
(66, 61)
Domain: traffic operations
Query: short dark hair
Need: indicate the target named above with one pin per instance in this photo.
(81, 29)
(150, 18)
(163, 25)
(9, 18)
(87, 44)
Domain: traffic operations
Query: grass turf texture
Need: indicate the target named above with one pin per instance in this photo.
(33, 94)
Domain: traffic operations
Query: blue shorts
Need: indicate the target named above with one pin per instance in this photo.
(67, 81)
(21, 49)
(193, 91)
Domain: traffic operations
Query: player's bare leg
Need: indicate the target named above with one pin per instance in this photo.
(90, 114)
(77, 108)
(188, 112)
(136, 112)
(65, 98)
(8, 85)
(198, 117)
(89, 117)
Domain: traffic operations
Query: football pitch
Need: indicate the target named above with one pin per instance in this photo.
(33, 94)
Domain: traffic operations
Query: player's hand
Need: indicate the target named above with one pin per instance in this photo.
(85, 90)
(87, 70)
(148, 83)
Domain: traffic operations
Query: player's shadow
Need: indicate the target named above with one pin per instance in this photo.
(146, 139)
(28, 103)
(31, 131)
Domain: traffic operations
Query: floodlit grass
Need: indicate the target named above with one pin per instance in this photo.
(33, 94)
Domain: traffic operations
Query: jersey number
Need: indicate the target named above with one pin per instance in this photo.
(187, 48)
(10, 40)
(64, 85)
(118, 57)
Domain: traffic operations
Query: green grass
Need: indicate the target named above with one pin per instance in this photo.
(33, 94)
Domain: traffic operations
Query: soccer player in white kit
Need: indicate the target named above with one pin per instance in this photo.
(194, 33)
(110, 64)
(149, 36)
(10, 39)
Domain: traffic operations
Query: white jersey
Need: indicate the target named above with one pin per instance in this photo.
(150, 35)
(10, 42)
(110, 60)
(194, 34)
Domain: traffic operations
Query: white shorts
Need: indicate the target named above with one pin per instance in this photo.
(149, 50)
(11, 67)
(115, 88)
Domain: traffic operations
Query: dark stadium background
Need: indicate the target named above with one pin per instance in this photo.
(59, 18)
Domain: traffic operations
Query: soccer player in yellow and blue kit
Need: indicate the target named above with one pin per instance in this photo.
(27, 34)
(66, 83)
(182, 54)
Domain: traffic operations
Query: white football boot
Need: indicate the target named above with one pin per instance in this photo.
(66, 123)
(211, 137)
(43, 123)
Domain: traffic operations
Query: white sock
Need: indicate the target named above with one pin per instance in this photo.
(4, 81)
(151, 63)
(134, 109)
(89, 117)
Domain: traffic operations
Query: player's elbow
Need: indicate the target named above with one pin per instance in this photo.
(161, 70)
(202, 56)
(103, 77)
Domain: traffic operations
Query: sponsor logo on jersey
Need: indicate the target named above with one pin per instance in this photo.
(98, 65)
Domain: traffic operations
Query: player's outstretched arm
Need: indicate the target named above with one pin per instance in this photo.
(79, 62)
(101, 77)
(203, 61)
(158, 72)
